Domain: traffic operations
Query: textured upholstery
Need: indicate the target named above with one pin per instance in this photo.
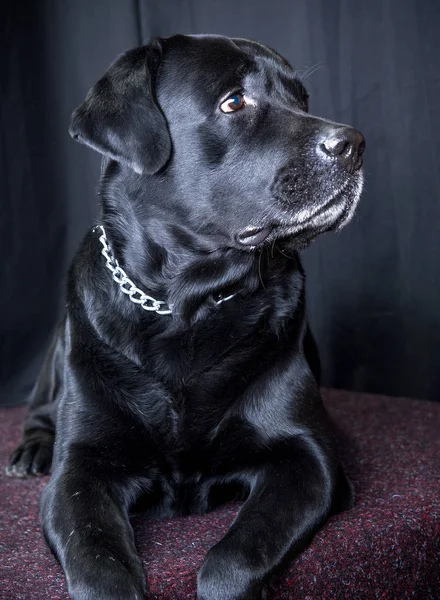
(387, 547)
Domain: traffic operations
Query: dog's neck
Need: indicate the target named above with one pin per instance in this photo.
(171, 262)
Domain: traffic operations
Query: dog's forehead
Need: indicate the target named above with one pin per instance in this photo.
(220, 64)
(206, 60)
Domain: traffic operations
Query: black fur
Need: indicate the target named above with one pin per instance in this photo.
(158, 412)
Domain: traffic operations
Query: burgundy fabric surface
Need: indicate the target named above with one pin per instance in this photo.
(387, 547)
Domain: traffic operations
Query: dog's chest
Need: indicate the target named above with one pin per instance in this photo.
(203, 373)
(205, 376)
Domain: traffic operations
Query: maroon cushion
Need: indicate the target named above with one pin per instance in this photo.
(387, 547)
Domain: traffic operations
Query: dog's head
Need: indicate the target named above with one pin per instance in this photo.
(222, 125)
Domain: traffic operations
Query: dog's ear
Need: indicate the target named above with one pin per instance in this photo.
(120, 116)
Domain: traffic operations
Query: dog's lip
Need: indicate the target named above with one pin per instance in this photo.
(335, 207)
(252, 235)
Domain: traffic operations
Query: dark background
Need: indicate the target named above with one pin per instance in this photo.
(373, 290)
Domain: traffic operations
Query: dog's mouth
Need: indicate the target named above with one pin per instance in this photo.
(253, 236)
(331, 215)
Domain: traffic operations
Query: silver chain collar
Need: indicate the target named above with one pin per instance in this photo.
(128, 287)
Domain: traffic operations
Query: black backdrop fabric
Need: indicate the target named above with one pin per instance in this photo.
(373, 289)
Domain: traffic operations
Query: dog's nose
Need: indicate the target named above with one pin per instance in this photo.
(347, 146)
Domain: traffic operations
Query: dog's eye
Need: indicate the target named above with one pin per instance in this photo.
(233, 103)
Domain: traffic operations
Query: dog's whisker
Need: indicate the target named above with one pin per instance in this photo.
(259, 270)
(284, 254)
(309, 71)
(273, 246)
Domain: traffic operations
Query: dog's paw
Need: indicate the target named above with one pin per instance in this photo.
(220, 578)
(123, 591)
(32, 457)
(103, 581)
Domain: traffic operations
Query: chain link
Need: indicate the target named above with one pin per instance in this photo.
(126, 284)
(128, 287)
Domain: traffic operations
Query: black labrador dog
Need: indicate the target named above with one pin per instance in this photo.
(181, 375)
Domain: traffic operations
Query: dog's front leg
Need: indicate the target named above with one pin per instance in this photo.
(290, 498)
(85, 520)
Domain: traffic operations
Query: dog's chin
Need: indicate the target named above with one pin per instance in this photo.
(331, 213)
